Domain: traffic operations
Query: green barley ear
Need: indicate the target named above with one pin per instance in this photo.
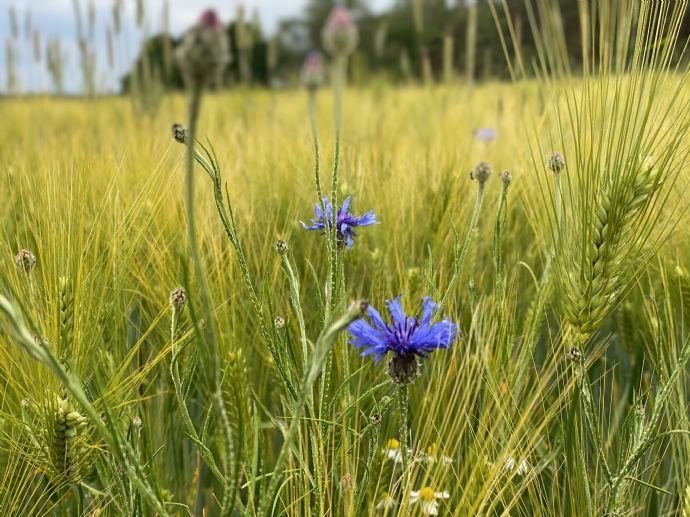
(66, 300)
(67, 435)
(238, 399)
(610, 244)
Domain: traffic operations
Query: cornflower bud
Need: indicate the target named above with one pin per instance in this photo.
(279, 323)
(179, 133)
(481, 172)
(178, 299)
(556, 162)
(281, 247)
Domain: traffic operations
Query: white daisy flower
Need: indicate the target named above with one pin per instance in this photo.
(386, 502)
(431, 456)
(393, 450)
(428, 499)
(522, 467)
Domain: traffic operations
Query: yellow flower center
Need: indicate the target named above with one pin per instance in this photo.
(427, 494)
(393, 444)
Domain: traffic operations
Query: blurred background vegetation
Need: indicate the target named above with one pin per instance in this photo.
(414, 41)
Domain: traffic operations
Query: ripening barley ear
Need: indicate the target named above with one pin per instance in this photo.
(606, 249)
(66, 301)
(66, 440)
(238, 399)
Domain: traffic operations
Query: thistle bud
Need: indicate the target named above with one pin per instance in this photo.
(556, 162)
(179, 133)
(481, 172)
(204, 50)
(340, 34)
(25, 260)
(279, 323)
(312, 71)
(178, 299)
(281, 247)
(506, 177)
(404, 369)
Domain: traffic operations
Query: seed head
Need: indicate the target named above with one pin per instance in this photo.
(556, 162)
(25, 403)
(404, 369)
(281, 247)
(179, 133)
(481, 172)
(178, 299)
(312, 71)
(204, 51)
(279, 323)
(340, 33)
(26, 261)
(575, 355)
(137, 423)
(506, 177)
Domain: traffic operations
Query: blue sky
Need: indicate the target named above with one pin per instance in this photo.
(55, 18)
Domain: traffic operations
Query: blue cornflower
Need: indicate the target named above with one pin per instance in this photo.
(409, 338)
(485, 134)
(345, 221)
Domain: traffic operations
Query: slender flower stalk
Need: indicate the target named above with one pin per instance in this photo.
(321, 350)
(340, 38)
(480, 174)
(202, 55)
(312, 79)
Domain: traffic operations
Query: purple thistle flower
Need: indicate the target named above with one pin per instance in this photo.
(406, 336)
(345, 221)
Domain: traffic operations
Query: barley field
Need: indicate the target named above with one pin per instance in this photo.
(188, 326)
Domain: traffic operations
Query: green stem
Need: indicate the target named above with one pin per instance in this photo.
(321, 350)
(339, 80)
(212, 340)
(460, 257)
(591, 417)
(403, 415)
(315, 139)
(649, 434)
